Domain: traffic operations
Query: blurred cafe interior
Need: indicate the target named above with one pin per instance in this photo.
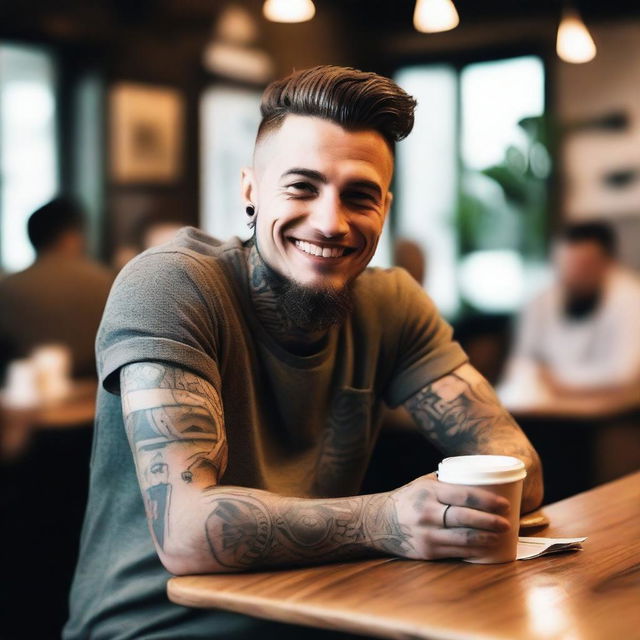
(141, 114)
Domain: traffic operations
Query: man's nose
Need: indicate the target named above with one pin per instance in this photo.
(329, 217)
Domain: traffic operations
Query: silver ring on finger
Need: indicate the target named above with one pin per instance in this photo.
(444, 516)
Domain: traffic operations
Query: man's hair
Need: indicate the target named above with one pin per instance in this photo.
(353, 99)
(597, 232)
(50, 221)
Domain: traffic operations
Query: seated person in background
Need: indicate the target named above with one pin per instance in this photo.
(410, 256)
(61, 296)
(153, 233)
(243, 383)
(580, 338)
(148, 231)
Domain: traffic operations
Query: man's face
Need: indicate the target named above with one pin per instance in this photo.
(321, 195)
(582, 267)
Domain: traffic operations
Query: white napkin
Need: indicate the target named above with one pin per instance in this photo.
(534, 547)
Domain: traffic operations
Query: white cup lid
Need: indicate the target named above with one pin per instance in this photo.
(481, 470)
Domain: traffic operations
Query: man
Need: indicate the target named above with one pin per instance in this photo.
(251, 379)
(58, 299)
(579, 338)
(61, 296)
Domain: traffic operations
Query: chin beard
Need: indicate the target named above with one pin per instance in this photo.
(310, 309)
(579, 306)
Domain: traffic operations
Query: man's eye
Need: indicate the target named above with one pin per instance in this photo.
(360, 197)
(302, 186)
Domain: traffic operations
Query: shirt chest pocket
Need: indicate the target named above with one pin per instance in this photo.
(346, 443)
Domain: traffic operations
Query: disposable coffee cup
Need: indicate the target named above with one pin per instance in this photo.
(53, 367)
(21, 391)
(502, 475)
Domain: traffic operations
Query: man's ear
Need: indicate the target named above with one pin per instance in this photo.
(387, 203)
(248, 186)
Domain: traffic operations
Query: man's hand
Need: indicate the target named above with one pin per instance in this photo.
(474, 520)
(461, 414)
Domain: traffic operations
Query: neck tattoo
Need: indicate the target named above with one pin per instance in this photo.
(296, 316)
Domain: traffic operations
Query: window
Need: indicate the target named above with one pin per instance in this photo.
(472, 181)
(28, 146)
(229, 121)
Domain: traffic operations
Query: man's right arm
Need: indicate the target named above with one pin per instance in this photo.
(174, 422)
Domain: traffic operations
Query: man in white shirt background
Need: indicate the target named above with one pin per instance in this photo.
(573, 378)
(580, 338)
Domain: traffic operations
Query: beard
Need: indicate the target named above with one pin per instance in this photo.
(310, 309)
(578, 306)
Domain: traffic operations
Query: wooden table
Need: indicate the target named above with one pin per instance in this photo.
(593, 594)
(77, 409)
(604, 444)
(594, 407)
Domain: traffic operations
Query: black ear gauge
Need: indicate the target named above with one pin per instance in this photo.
(251, 212)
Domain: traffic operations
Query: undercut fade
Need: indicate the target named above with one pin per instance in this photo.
(353, 99)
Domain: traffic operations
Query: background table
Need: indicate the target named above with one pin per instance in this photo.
(602, 446)
(591, 594)
(44, 478)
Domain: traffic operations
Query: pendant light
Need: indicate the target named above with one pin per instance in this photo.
(432, 16)
(574, 42)
(288, 10)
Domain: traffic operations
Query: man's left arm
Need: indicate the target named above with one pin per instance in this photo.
(461, 414)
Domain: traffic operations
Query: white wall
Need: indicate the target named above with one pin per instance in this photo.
(609, 83)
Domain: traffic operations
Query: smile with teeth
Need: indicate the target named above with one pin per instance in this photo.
(320, 252)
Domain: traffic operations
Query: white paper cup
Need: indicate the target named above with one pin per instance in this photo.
(53, 366)
(21, 391)
(502, 475)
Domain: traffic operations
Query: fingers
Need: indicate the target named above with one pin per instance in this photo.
(471, 497)
(463, 537)
(443, 551)
(472, 518)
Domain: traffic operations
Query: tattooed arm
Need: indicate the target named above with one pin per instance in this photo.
(461, 414)
(174, 423)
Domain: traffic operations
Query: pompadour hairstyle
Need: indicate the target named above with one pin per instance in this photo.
(596, 231)
(356, 100)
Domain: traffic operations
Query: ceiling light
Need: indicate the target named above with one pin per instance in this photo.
(574, 42)
(289, 10)
(431, 16)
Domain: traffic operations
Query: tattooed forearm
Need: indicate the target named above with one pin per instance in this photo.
(251, 529)
(174, 423)
(461, 414)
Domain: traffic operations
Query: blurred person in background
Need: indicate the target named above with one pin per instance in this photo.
(149, 231)
(410, 256)
(580, 338)
(58, 300)
(155, 232)
(60, 297)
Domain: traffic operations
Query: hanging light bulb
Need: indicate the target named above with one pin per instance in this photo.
(431, 16)
(289, 10)
(574, 42)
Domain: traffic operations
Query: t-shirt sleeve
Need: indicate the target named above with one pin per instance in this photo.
(425, 349)
(157, 312)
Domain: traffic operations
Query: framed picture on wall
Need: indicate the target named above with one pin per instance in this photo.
(146, 133)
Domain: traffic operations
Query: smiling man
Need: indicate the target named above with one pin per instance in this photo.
(243, 384)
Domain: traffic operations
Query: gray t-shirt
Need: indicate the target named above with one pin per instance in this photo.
(297, 426)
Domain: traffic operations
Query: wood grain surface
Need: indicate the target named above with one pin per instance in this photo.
(593, 594)
(18, 425)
